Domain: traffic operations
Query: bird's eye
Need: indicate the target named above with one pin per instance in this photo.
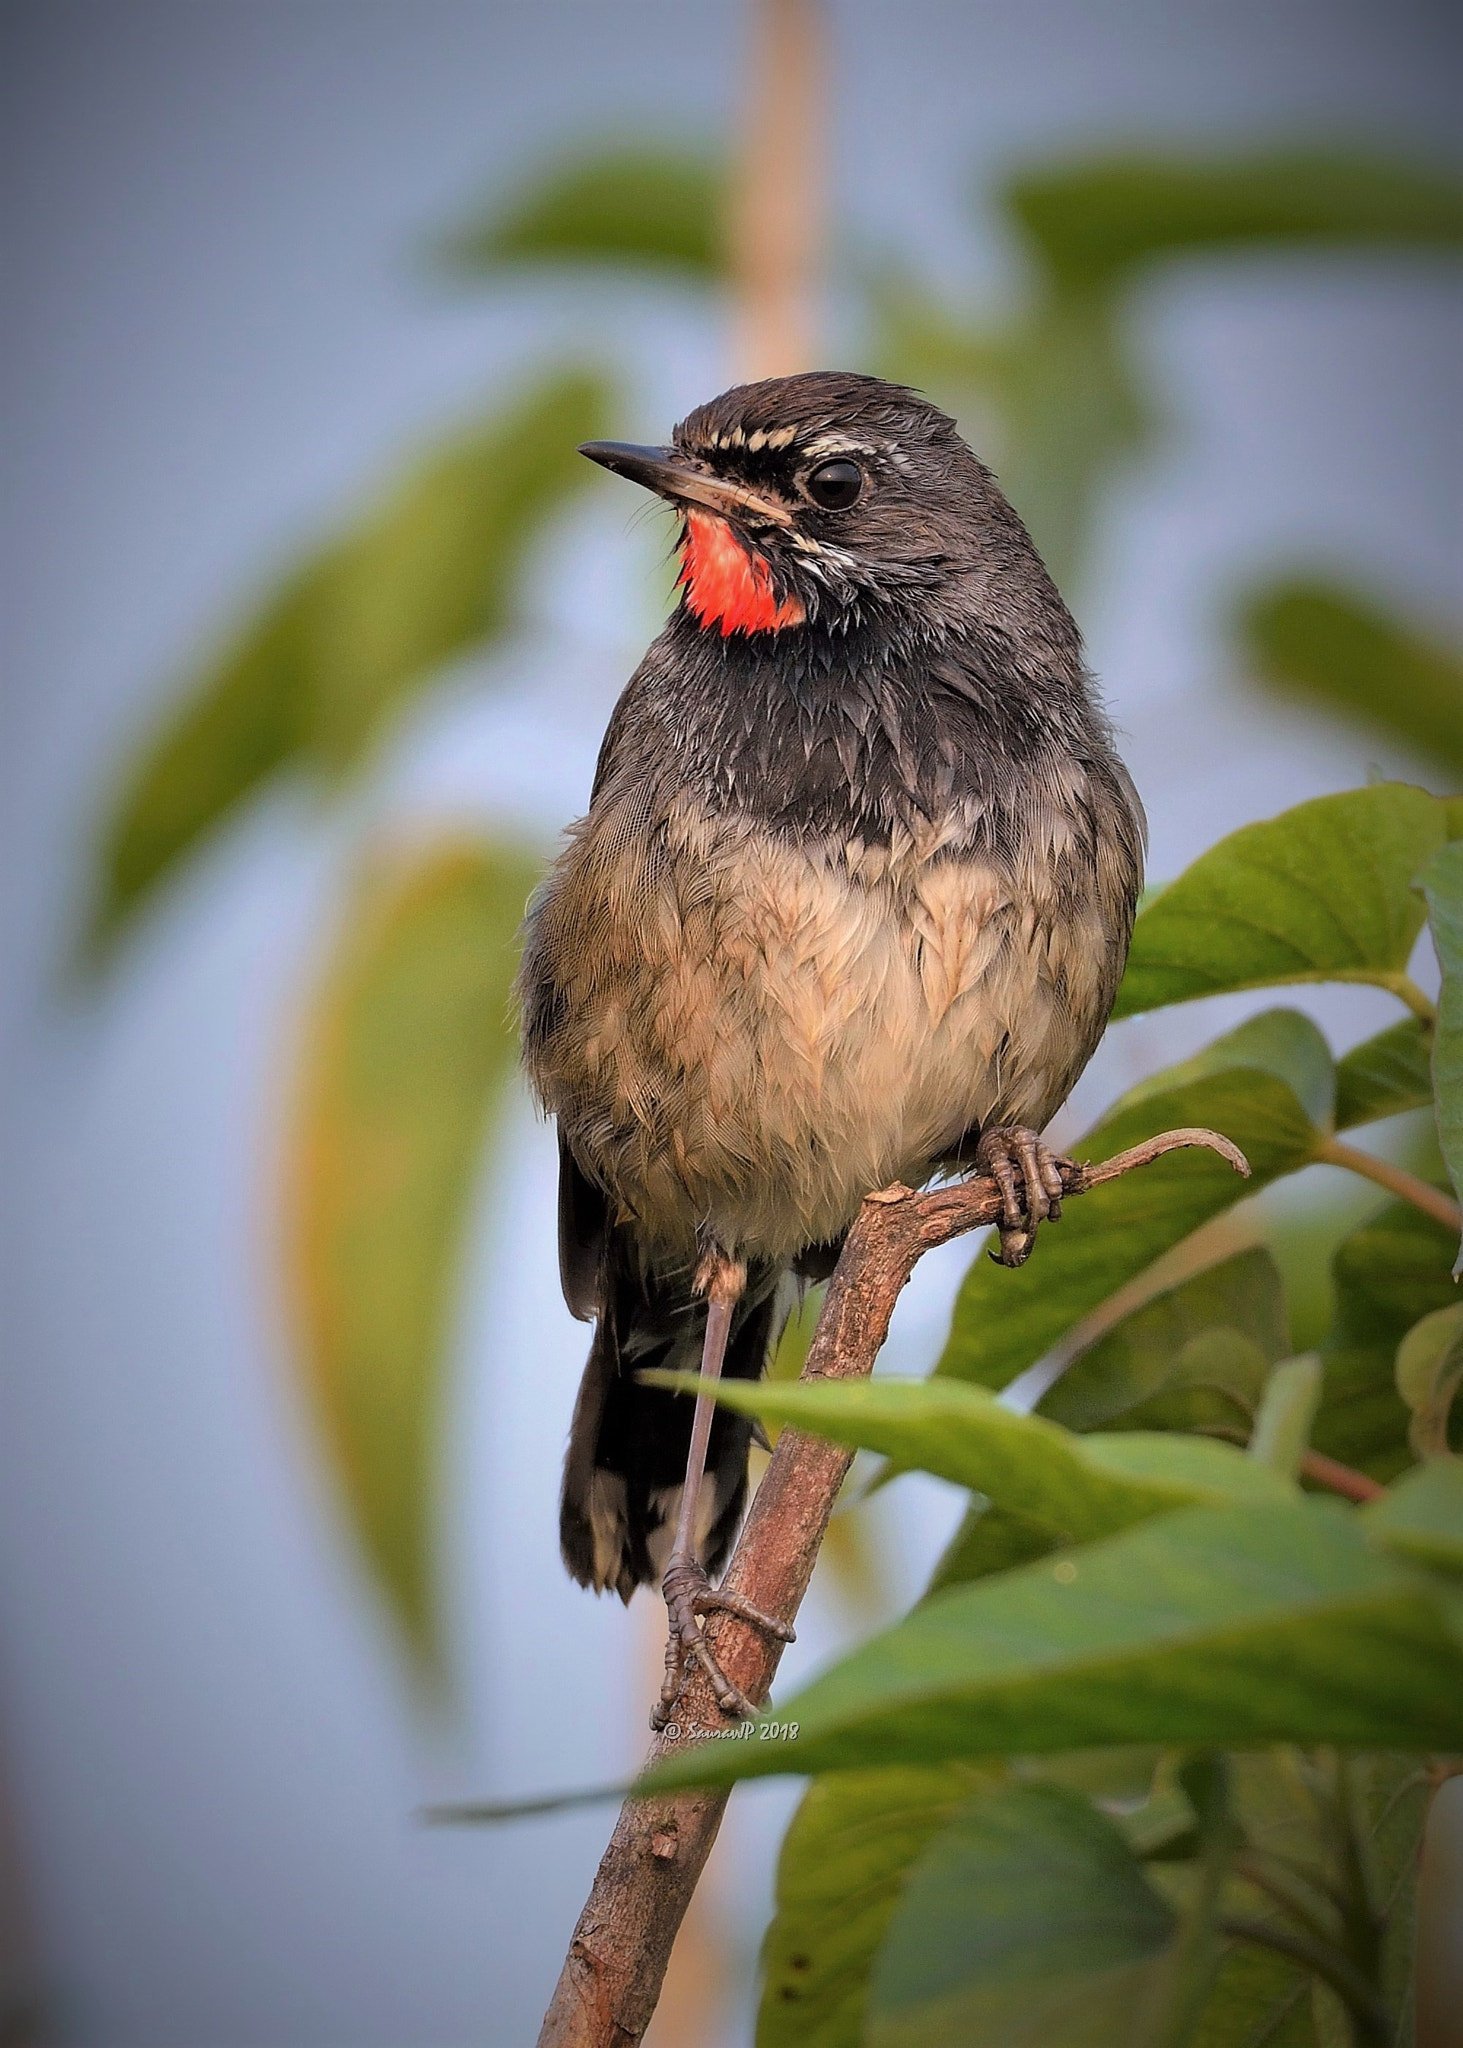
(835, 485)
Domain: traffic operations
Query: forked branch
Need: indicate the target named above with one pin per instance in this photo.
(612, 1975)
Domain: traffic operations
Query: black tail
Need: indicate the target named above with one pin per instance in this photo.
(628, 1443)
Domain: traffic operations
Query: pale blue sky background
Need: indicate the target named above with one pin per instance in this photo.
(215, 336)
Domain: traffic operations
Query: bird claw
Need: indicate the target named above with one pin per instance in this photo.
(688, 1595)
(1009, 1150)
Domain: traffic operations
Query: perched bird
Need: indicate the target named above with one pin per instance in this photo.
(850, 906)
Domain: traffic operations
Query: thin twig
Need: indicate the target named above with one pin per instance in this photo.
(612, 1975)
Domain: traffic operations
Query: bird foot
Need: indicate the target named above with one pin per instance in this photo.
(688, 1595)
(1005, 1152)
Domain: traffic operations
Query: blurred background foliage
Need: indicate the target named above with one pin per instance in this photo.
(409, 1042)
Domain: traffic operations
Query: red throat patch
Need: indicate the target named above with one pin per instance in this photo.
(728, 584)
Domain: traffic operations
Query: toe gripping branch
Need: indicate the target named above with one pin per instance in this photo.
(688, 1595)
(1004, 1152)
(1032, 1180)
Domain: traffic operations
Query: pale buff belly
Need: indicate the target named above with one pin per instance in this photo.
(754, 1035)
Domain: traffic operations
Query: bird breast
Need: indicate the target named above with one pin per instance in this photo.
(745, 1033)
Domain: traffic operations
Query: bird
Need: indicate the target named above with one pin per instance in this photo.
(849, 908)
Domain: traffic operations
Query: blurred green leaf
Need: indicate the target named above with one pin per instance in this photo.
(1385, 1075)
(1027, 1922)
(210, 753)
(1053, 398)
(1052, 402)
(1307, 1817)
(1257, 2000)
(1072, 412)
(844, 1861)
(409, 1047)
(1099, 218)
(619, 205)
(989, 1540)
(1287, 1410)
(1321, 893)
(1421, 1516)
(1390, 1795)
(1196, 1354)
(433, 572)
(1389, 1272)
(1069, 1486)
(369, 620)
(1224, 1627)
(1441, 882)
(1429, 1370)
(1310, 641)
(1266, 1085)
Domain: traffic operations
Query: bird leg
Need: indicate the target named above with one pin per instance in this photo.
(689, 1593)
(1004, 1151)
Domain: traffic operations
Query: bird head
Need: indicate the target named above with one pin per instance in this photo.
(825, 499)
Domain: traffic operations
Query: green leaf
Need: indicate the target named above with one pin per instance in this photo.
(1387, 1274)
(1267, 1086)
(1068, 1486)
(1071, 411)
(433, 571)
(1256, 2001)
(1052, 400)
(1421, 1517)
(1225, 1627)
(618, 205)
(1429, 1370)
(408, 1051)
(1287, 1410)
(1311, 641)
(1441, 882)
(988, 1540)
(1194, 1355)
(1095, 220)
(1385, 1075)
(352, 634)
(1302, 1815)
(843, 1863)
(1321, 893)
(209, 754)
(1391, 1794)
(1026, 1923)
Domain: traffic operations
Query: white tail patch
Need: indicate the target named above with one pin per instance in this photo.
(608, 1526)
(667, 1502)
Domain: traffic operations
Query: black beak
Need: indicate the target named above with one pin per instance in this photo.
(670, 475)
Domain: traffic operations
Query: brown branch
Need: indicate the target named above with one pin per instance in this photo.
(776, 216)
(617, 1959)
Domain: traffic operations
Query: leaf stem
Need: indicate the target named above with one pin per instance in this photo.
(1407, 991)
(1395, 1179)
(1400, 985)
(1339, 1478)
(1323, 1961)
(1314, 1465)
(1251, 1864)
